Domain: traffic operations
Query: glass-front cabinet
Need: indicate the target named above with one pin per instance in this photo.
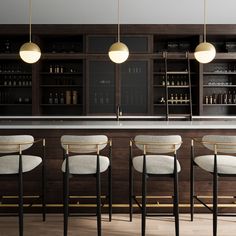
(111, 85)
(134, 87)
(101, 87)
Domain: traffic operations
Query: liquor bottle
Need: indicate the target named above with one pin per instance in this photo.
(220, 98)
(50, 100)
(230, 98)
(56, 98)
(214, 98)
(234, 97)
(62, 100)
(172, 98)
(68, 97)
(74, 97)
(95, 98)
(206, 100)
(7, 46)
(225, 98)
(186, 98)
(181, 98)
(176, 98)
(210, 100)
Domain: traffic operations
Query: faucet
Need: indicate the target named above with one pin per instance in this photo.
(118, 112)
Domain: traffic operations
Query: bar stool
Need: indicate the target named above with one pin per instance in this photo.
(88, 162)
(219, 165)
(18, 163)
(153, 163)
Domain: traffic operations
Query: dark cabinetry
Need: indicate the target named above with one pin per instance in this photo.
(219, 87)
(75, 76)
(112, 85)
(62, 75)
(173, 72)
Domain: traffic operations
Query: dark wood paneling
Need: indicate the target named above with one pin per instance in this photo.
(120, 138)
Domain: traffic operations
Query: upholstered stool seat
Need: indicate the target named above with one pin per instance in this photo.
(13, 161)
(156, 164)
(9, 164)
(82, 157)
(226, 164)
(86, 164)
(159, 158)
(219, 161)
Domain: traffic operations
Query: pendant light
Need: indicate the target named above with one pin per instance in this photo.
(205, 52)
(118, 51)
(30, 52)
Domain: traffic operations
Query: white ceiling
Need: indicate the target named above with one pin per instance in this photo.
(105, 11)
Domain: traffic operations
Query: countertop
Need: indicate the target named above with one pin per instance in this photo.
(107, 124)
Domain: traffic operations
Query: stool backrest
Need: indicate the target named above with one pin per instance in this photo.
(222, 143)
(158, 144)
(15, 143)
(84, 143)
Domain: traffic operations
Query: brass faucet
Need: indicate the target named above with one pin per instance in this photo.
(118, 112)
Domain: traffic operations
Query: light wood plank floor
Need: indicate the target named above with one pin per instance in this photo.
(120, 226)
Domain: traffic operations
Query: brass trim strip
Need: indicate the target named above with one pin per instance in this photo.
(15, 197)
(118, 205)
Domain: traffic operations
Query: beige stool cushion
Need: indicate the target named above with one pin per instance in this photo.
(9, 164)
(86, 164)
(225, 164)
(156, 164)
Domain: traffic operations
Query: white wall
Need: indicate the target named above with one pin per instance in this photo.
(104, 11)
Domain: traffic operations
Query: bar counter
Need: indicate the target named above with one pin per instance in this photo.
(110, 125)
(120, 132)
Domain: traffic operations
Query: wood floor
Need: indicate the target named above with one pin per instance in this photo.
(120, 226)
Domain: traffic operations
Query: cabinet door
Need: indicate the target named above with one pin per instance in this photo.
(101, 87)
(134, 87)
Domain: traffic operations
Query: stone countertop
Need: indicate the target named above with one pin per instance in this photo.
(118, 125)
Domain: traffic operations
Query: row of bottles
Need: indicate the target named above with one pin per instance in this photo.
(5, 46)
(101, 98)
(9, 98)
(65, 47)
(175, 99)
(61, 81)
(60, 69)
(221, 98)
(173, 80)
(69, 97)
(14, 68)
(13, 80)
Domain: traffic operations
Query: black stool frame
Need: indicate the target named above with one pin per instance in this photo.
(215, 178)
(20, 182)
(145, 177)
(66, 175)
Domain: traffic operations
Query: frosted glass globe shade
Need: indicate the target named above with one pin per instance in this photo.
(205, 52)
(118, 52)
(30, 52)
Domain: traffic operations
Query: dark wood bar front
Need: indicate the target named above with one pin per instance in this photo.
(120, 133)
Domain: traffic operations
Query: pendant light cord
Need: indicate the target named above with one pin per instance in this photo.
(118, 17)
(205, 16)
(30, 19)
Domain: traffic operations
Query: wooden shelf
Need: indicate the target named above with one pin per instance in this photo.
(219, 73)
(61, 74)
(62, 56)
(16, 104)
(177, 72)
(219, 86)
(217, 105)
(61, 105)
(61, 86)
(18, 86)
